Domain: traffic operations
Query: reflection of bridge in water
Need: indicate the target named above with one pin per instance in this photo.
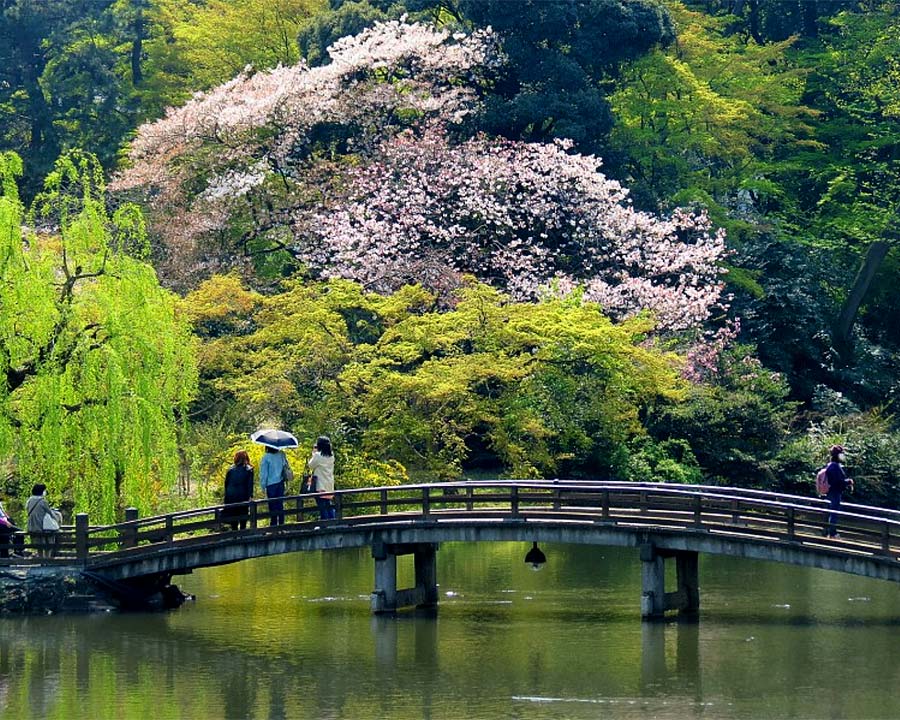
(663, 521)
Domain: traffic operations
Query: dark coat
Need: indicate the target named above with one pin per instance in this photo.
(837, 478)
(238, 489)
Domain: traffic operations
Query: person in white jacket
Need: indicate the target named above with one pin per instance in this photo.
(44, 533)
(321, 469)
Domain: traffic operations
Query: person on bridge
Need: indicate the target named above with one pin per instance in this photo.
(273, 472)
(838, 482)
(321, 467)
(238, 490)
(10, 534)
(41, 521)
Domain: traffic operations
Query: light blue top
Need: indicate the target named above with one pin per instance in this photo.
(271, 468)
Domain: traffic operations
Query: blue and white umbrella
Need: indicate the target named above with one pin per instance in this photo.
(278, 439)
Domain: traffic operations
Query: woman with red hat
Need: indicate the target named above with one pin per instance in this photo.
(837, 483)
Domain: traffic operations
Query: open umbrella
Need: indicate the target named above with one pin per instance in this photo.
(278, 439)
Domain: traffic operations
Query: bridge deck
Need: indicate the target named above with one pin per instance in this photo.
(712, 519)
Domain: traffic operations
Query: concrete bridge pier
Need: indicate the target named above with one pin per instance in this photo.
(655, 601)
(386, 597)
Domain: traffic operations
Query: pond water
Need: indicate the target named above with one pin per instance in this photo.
(293, 637)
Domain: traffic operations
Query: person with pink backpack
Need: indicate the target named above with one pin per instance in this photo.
(838, 482)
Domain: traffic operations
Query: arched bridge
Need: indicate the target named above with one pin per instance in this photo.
(662, 520)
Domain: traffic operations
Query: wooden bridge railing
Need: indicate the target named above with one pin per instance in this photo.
(747, 514)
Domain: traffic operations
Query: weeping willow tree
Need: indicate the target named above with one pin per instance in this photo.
(97, 361)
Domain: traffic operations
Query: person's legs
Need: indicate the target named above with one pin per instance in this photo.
(37, 541)
(19, 543)
(275, 493)
(44, 541)
(322, 504)
(834, 499)
(5, 537)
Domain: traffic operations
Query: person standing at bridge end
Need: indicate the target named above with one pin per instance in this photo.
(272, 474)
(43, 521)
(838, 482)
(238, 491)
(10, 536)
(321, 467)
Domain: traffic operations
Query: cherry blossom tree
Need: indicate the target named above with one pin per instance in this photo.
(226, 169)
(365, 169)
(387, 76)
(529, 217)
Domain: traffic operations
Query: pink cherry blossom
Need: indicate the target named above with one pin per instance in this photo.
(361, 170)
(527, 217)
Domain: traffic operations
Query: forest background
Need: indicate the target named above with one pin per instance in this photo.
(544, 238)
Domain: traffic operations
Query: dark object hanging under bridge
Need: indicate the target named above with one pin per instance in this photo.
(535, 557)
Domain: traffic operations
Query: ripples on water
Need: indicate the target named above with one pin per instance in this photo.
(292, 637)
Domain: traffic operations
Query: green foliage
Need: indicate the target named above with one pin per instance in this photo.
(853, 190)
(703, 117)
(793, 147)
(346, 18)
(883, 305)
(199, 45)
(788, 320)
(559, 54)
(872, 443)
(76, 74)
(666, 461)
(97, 360)
(734, 424)
(530, 389)
(774, 20)
(843, 195)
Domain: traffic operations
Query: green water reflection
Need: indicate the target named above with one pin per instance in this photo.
(292, 637)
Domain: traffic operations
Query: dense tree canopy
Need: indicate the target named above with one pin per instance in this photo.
(85, 74)
(716, 177)
(412, 206)
(850, 196)
(532, 387)
(703, 120)
(96, 360)
(561, 56)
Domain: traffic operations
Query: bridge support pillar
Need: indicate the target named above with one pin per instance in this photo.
(653, 583)
(386, 597)
(655, 601)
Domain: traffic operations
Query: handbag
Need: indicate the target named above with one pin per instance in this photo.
(309, 484)
(286, 473)
(50, 523)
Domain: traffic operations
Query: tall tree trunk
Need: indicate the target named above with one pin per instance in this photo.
(755, 31)
(137, 49)
(874, 257)
(43, 135)
(810, 16)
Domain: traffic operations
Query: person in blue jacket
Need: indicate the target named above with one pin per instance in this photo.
(838, 482)
(273, 472)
